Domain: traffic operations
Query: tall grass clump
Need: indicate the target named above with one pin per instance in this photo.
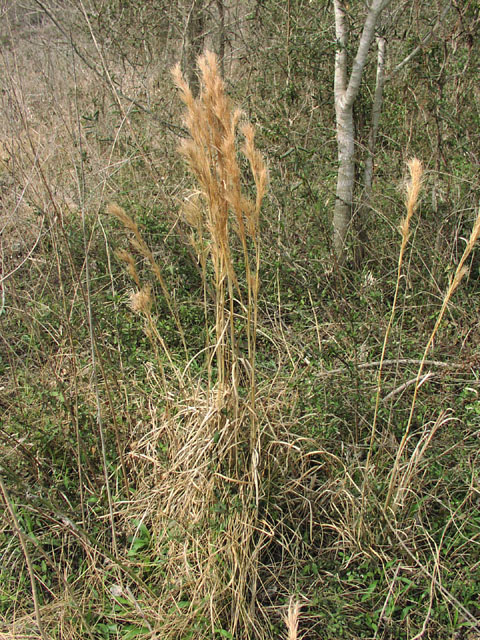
(202, 498)
(218, 210)
(401, 470)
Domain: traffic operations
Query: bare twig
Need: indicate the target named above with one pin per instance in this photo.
(390, 363)
(407, 384)
(180, 131)
(422, 44)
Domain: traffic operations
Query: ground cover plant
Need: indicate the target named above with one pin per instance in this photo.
(208, 428)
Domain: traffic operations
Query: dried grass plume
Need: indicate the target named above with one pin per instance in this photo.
(291, 618)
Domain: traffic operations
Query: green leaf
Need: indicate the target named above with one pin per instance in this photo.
(370, 590)
(134, 632)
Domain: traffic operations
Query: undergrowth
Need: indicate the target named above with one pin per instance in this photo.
(195, 443)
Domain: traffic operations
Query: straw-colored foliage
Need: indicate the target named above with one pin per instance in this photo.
(204, 505)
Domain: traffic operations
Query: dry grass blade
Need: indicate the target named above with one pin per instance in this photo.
(22, 538)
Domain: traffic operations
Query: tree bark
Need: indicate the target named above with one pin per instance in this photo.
(346, 91)
(194, 36)
(376, 113)
(221, 35)
(365, 208)
(345, 181)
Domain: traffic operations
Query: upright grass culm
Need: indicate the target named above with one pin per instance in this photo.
(220, 209)
(394, 488)
(413, 190)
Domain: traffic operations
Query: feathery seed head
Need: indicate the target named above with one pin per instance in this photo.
(141, 300)
(127, 258)
(212, 156)
(291, 619)
(475, 231)
(413, 188)
(117, 211)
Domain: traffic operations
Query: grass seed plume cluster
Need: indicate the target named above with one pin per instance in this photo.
(220, 209)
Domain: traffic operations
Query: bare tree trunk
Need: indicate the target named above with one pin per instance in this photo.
(194, 36)
(345, 180)
(346, 90)
(376, 113)
(221, 35)
(366, 204)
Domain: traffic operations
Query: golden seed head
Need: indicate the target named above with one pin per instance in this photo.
(413, 188)
(141, 301)
(114, 209)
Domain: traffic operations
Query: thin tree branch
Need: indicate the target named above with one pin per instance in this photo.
(422, 44)
(362, 53)
(341, 53)
(31, 250)
(389, 363)
(407, 384)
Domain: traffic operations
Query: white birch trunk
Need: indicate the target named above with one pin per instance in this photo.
(345, 181)
(345, 95)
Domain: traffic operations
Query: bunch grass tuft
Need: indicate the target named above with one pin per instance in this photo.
(205, 508)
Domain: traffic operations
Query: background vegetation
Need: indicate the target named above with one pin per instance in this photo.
(208, 428)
